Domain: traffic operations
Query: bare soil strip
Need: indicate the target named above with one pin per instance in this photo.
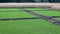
(54, 16)
(43, 17)
(18, 18)
(26, 18)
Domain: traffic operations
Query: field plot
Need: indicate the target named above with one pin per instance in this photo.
(30, 26)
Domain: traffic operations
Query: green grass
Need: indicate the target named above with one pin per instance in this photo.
(38, 26)
(15, 15)
(34, 26)
(48, 13)
(57, 19)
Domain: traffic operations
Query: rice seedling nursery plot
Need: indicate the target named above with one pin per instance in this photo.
(31, 26)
